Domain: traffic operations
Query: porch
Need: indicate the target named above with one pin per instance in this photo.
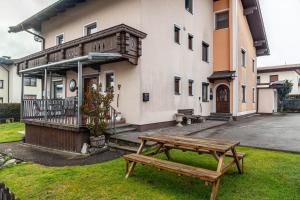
(56, 121)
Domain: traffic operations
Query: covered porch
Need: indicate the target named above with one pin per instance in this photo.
(56, 121)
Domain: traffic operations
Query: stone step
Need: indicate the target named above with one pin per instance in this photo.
(216, 118)
(120, 130)
(124, 148)
(123, 141)
(221, 114)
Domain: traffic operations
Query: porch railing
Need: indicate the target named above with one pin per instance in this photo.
(61, 111)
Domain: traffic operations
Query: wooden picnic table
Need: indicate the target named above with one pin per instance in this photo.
(218, 148)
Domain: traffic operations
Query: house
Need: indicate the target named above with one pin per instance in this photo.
(270, 74)
(157, 57)
(10, 82)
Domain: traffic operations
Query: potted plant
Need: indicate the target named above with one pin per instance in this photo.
(96, 108)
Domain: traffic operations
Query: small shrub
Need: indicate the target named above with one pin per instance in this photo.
(10, 111)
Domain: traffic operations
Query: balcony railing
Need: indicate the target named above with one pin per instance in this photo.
(121, 39)
(63, 112)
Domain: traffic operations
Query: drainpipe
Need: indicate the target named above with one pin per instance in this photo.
(38, 36)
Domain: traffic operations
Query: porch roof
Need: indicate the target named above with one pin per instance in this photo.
(221, 75)
(91, 58)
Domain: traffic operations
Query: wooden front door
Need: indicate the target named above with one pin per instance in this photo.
(90, 82)
(223, 99)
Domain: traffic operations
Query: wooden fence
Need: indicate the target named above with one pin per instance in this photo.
(5, 194)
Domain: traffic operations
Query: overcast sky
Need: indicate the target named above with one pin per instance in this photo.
(281, 21)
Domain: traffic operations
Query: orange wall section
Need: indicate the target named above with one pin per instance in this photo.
(221, 50)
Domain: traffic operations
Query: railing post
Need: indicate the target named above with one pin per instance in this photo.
(79, 94)
(45, 94)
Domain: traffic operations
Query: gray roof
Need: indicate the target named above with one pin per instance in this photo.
(222, 75)
(251, 8)
(6, 61)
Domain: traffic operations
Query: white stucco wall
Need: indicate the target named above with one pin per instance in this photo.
(162, 59)
(267, 100)
(287, 75)
(4, 90)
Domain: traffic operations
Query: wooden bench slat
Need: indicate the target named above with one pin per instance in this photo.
(200, 173)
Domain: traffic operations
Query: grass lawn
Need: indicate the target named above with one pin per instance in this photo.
(268, 175)
(9, 132)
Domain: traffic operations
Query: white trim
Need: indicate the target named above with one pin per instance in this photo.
(234, 58)
(215, 95)
(84, 27)
(61, 34)
(246, 112)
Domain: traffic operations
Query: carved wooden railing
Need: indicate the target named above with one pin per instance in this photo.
(121, 39)
(59, 111)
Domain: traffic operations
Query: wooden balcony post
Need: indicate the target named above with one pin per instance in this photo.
(45, 94)
(22, 96)
(79, 93)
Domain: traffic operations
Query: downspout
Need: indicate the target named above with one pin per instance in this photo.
(36, 35)
(7, 82)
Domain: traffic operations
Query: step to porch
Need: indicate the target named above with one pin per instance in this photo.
(220, 117)
(120, 128)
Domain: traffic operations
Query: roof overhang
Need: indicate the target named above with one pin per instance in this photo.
(6, 61)
(254, 17)
(221, 75)
(90, 59)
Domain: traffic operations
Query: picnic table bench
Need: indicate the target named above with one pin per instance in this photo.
(218, 148)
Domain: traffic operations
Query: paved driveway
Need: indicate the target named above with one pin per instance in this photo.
(279, 132)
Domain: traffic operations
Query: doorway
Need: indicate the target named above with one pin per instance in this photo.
(223, 99)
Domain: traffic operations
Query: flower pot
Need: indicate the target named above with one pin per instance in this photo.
(97, 141)
(179, 119)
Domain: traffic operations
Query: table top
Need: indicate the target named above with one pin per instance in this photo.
(197, 143)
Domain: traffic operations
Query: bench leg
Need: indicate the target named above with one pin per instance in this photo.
(130, 170)
(237, 161)
(167, 152)
(214, 190)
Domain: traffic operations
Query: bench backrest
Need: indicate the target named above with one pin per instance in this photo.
(186, 111)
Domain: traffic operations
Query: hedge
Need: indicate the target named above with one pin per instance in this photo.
(10, 110)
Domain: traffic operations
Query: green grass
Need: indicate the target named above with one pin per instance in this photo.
(9, 132)
(268, 175)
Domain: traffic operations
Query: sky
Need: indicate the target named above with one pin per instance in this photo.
(281, 20)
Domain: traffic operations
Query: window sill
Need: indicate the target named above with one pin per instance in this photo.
(206, 61)
(205, 101)
(177, 94)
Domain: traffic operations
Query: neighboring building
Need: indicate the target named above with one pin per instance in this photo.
(267, 75)
(157, 56)
(10, 83)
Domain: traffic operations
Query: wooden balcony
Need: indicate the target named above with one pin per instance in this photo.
(121, 39)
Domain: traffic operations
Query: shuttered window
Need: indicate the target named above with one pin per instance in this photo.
(222, 20)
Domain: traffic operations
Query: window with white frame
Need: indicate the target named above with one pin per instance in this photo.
(205, 51)
(177, 34)
(1, 84)
(191, 89)
(243, 94)
(109, 82)
(190, 38)
(177, 87)
(59, 39)
(243, 57)
(90, 29)
(28, 81)
(189, 6)
(222, 20)
(205, 92)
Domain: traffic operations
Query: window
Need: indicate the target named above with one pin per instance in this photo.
(253, 95)
(177, 34)
(59, 39)
(258, 80)
(58, 89)
(109, 82)
(191, 83)
(273, 78)
(243, 53)
(177, 85)
(30, 82)
(243, 94)
(191, 37)
(222, 20)
(253, 65)
(1, 84)
(90, 29)
(189, 5)
(1, 99)
(205, 92)
(205, 51)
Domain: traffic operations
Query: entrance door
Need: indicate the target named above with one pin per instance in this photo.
(90, 83)
(223, 99)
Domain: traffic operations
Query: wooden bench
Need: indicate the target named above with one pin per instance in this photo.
(178, 168)
(189, 114)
